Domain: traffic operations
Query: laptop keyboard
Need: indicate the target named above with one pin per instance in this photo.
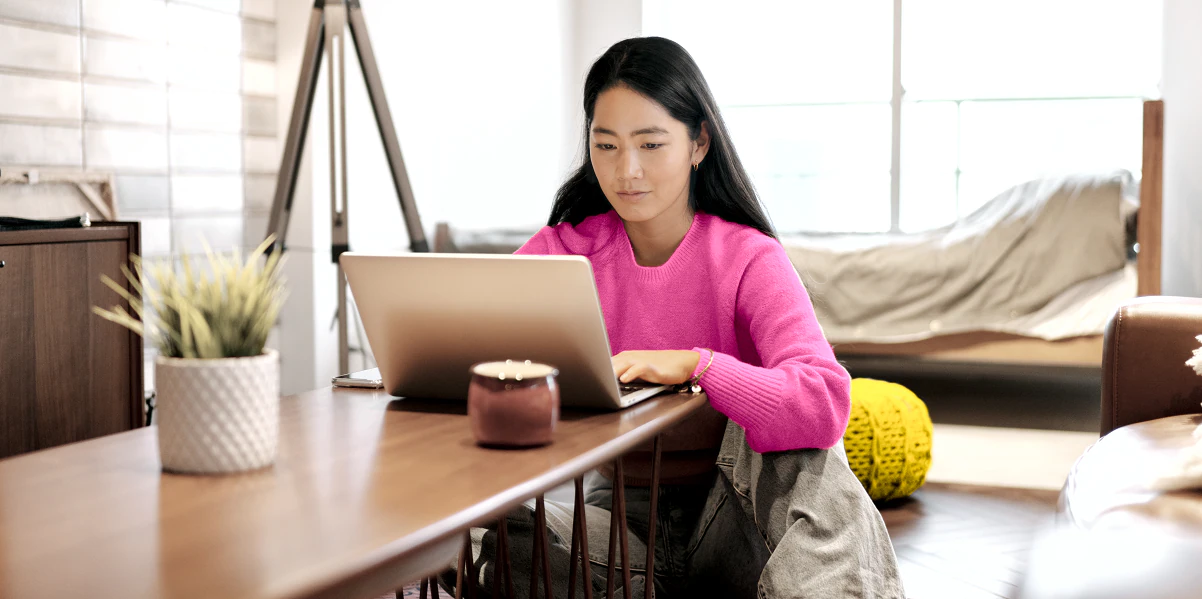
(627, 389)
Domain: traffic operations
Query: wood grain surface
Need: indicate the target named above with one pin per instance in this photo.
(368, 492)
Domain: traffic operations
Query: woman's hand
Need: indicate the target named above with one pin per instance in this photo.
(663, 367)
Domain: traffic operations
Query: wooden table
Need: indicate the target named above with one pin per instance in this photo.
(1108, 486)
(368, 493)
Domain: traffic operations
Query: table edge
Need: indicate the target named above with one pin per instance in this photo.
(386, 558)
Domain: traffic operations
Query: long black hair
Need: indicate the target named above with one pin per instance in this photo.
(661, 70)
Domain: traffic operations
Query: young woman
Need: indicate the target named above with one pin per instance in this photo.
(695, 287)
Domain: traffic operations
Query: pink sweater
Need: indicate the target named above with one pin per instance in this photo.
(731, 289)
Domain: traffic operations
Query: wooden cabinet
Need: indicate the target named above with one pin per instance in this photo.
(65, 374)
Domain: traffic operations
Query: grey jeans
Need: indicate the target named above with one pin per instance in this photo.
(793, 524)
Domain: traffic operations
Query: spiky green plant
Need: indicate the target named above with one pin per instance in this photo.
(224, 313)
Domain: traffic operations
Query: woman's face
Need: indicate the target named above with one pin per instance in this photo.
(642, 156)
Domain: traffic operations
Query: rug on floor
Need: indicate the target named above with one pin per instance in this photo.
(412, 591)
(1004, 457)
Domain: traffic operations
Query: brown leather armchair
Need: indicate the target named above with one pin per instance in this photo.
(1108, 511)
(1144, 375)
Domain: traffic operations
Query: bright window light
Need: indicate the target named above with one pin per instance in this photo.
(995, 93)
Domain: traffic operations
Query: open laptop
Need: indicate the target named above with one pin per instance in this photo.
(430, 317)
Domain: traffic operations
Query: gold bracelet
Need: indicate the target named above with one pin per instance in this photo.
(695, 383)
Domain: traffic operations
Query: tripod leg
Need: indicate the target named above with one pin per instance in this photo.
(335, 25)
(392, 148)
(298, 127)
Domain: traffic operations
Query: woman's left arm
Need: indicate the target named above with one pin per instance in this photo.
(800, 397)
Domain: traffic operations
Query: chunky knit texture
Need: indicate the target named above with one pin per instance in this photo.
(728, 288)
(888, 439)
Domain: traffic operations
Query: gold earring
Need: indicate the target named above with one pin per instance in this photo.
(695, 166)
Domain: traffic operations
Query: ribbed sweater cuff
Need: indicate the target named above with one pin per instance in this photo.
(747, 394)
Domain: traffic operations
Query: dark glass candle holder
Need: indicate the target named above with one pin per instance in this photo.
(513, 403)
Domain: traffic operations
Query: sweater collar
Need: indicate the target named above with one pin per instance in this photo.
(681, 260)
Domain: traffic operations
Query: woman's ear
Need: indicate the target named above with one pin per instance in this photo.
(701, 145)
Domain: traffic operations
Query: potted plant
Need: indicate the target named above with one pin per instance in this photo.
(217, 387)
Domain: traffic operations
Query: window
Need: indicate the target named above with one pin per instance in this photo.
(988, 95)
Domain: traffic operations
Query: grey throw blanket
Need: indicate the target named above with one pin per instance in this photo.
(1007, 259)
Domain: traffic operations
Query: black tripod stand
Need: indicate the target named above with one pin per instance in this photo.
(327, 25)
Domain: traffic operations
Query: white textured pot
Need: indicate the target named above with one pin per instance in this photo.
(217, 416)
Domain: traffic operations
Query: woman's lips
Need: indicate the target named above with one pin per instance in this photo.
(632, 196)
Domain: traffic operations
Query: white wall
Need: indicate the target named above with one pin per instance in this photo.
(596, 26)
(1182, 91)
(476, 90)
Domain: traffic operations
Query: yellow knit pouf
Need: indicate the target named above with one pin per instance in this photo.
(888, 439)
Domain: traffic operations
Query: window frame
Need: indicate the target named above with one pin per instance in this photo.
(896, 102)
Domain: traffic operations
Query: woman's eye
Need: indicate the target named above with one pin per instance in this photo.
(604, 146)
(652, 146)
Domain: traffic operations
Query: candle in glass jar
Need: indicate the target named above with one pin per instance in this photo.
(513, 403)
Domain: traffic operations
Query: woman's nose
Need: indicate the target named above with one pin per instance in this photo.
(628, 166)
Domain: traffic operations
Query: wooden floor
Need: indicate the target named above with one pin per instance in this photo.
(966, 542)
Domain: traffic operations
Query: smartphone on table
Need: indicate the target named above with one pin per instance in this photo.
(364, 379)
